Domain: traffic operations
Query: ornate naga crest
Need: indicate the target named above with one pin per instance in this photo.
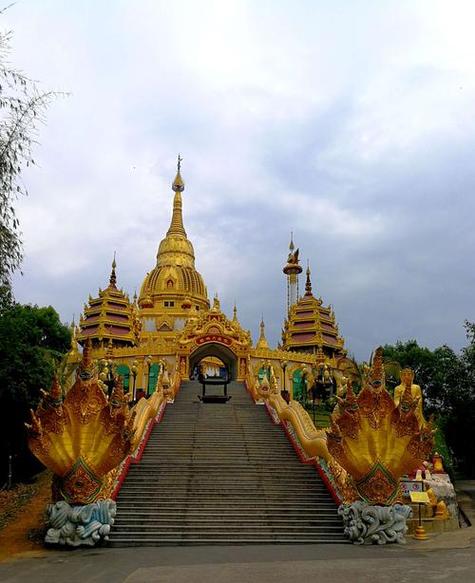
(376, 441)
(82, 437)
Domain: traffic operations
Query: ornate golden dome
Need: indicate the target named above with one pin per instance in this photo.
(174, 282)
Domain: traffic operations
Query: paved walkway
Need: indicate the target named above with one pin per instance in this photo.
(448, 557)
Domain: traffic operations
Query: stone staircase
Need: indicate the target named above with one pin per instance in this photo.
(222, 474)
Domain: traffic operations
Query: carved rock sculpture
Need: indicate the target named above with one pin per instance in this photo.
(375, 524)
(80, 525)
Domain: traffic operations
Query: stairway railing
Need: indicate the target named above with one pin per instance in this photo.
(309, 442)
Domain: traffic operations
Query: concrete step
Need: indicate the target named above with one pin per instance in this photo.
(206, 540)
(229, 523)
(236, 530)
(242, 488)
(183, 503)
(199, 496)
(203, 482)
(222, 515)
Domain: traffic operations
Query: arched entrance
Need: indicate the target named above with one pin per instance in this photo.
(216, 350)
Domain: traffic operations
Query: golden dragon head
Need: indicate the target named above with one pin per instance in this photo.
(376, 441)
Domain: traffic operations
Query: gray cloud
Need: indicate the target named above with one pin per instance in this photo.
(352, 125)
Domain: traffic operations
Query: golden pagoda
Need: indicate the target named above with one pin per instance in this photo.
(110, 318)
(173, 291)
(311, 327)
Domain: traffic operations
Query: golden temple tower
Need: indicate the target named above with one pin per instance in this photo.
(110, 318)
(173, 291)
(311, 327)
(292, 270)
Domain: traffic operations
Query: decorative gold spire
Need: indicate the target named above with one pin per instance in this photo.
(113, 277)
(262, 342)
(216, 303)
(178, 186)
(174, 279)
(291, 245)
(308, 283)
(235, 319)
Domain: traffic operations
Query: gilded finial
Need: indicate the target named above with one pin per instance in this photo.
(178, 184)
(262, 342)
(113, 277)
(235, 312)
(291, 245)
(308, 283)
(216, 303)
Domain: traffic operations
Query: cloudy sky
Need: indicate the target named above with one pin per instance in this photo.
(351, 123)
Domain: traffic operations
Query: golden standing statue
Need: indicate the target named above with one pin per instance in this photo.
(407, 381)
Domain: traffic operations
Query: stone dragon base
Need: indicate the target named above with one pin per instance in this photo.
(76, 526)
(366, 524)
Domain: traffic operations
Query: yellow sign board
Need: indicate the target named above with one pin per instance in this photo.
(419, 498)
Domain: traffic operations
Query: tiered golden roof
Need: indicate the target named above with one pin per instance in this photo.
(311, 326)
(110, 317)
(174, 290)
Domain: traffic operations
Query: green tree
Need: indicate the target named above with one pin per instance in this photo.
(460, 406)
(32, 343)
(410, 354)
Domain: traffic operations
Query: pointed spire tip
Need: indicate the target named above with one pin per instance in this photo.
(113, 277)
(178, 184)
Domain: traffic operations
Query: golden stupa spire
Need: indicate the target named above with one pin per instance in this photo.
(113, 277)
(308, 283)
(235, 319)
(178, 186)
(262, 342)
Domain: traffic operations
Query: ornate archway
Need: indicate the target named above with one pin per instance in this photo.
(214, 335)
(225, 354)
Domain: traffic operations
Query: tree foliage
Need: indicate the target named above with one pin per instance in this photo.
(22, 106)
(32, 342)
